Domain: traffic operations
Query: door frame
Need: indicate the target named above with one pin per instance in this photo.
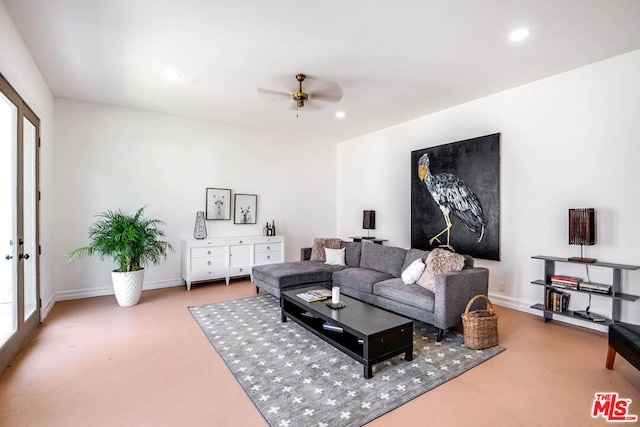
(24, 327)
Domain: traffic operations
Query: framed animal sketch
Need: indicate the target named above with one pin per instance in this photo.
(455, 197)
(245, 208)
(218, 203)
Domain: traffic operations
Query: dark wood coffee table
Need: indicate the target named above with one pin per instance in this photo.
(370, 334)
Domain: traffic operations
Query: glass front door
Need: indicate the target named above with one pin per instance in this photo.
(8, 270)
(19, 290)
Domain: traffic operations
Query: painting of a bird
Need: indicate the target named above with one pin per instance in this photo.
(452, 195)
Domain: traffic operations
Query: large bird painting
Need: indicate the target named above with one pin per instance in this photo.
(455, 198)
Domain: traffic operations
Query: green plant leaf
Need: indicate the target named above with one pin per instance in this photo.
(130, 241)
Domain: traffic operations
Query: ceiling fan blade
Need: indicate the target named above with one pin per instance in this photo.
(325, 96)
(323, 90)
(276, 93)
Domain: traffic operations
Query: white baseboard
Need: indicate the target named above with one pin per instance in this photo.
(495, 298)
(514, 304)
(46, 306)
(98, 292)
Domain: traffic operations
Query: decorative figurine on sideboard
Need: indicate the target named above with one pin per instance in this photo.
(200, 229)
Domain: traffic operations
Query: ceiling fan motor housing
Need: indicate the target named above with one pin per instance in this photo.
(300, 96)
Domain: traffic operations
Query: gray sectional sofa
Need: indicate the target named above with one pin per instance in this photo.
(372, 274)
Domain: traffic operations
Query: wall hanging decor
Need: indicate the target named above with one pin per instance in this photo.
(218, 203)
(200, 229)
(245, 208)
(455, 197)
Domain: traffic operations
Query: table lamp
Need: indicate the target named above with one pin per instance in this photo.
(582, 231)
(369, 222)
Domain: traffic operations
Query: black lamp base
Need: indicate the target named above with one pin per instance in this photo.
(583, 260)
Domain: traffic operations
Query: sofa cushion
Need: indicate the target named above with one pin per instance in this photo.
(414, 295)
(468, 261)
(386, 259)
(412, 255)
(352, 253)
(319, 243)
(439, 261)
(294, 273)
(361, 279)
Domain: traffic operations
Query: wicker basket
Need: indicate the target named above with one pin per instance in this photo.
(480, 326)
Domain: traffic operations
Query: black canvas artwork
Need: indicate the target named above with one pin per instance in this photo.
(455, 197)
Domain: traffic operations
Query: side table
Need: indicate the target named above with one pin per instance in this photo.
(370, 239)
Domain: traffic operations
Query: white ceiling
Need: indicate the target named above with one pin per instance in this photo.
(394, 60)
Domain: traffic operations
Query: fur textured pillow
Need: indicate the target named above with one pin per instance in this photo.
(319, 243)
(439, 261)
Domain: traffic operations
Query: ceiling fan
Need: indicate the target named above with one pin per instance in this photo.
(315, 94)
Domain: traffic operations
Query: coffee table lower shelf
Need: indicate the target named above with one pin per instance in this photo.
(366, 347)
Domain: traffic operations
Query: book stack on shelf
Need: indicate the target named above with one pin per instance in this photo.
(595, 287)
(556, 300)
(566, 282)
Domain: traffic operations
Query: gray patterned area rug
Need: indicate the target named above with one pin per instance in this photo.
(297, 380)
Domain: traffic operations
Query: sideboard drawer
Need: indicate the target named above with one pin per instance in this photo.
(239, 271)
(209, 263)
(208, 252)
(267, 258)
(208, 274)
(241, 241)
(268, 247)
(269, 239)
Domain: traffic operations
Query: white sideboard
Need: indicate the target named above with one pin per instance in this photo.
(227, 257)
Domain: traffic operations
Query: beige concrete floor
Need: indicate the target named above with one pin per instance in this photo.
(92, 363)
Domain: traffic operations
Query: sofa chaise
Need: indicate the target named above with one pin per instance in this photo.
(372, 273)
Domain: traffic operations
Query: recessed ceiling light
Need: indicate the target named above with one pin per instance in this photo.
(171, 74)
(340, 114)
(519, 34)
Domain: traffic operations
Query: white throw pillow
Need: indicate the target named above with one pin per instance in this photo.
(412, 273)
(334, 256)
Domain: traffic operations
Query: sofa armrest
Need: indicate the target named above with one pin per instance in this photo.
(305, 254)
(454, 290)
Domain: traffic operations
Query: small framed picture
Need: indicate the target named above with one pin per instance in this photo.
(218, 203)
(245, 208)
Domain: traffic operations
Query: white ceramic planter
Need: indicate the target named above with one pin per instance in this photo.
(127, 286)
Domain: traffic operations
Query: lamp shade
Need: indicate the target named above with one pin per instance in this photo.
(369, 220)
(582, 226)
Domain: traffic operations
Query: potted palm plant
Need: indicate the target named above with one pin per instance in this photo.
(131, 242)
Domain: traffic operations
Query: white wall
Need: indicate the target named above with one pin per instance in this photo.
(18, 67)
(108, 157)
(572, 140)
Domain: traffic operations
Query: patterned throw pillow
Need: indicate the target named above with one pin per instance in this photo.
(439, 261)
(319, 243)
